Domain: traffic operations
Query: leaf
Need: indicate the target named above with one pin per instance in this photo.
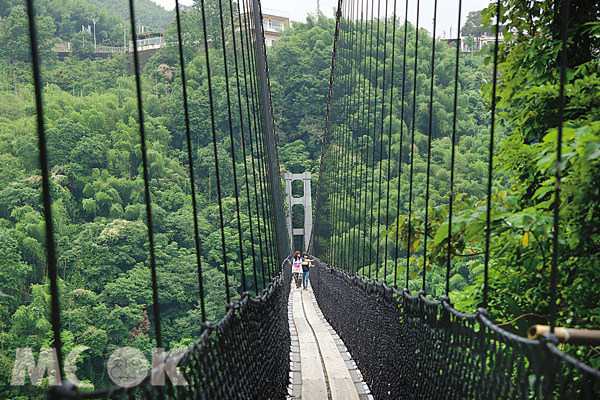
(440, 235)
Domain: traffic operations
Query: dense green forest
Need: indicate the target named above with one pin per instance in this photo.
(359, 233)
(92, 128)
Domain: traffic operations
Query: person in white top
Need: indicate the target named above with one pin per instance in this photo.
(296, 264)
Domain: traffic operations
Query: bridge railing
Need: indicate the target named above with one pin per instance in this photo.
(411, 347)
(244, 354)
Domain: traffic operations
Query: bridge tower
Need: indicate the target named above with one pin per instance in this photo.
(306, 201)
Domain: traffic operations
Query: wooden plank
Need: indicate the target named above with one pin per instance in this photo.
(313, 377)
(340, 382)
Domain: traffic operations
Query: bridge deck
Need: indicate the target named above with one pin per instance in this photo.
(321, 365)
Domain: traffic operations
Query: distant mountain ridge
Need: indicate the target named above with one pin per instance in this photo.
(150, 14)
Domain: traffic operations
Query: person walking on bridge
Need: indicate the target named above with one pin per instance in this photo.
(296, 264)
(306, 266)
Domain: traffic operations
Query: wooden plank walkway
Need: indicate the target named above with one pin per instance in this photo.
(321, 365)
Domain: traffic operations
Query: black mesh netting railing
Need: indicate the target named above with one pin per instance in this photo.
(409, 347)
(243, 356)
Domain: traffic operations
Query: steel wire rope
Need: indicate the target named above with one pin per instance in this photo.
(345, 149)
(400, 148)
(367, 148)
(235, 179)
(251, 112)
(355, 136)
(365, 139)
(335, 154)
(190, 161)
(255, 151)
(452, 156)
(359, 137)
(322, 167)
(243, 141)
(488, 212)
(351, 189)
(216, 155)
(431, 85)
(260, 155)
(389, 166)
(138, 85)
(46, 196)
(268, 190)
(412, 147)
(276, 194)
(561, 110)
(381, 147)
(376, 84)
(336, 151)
(342, 128)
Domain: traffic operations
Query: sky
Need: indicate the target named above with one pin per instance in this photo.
(447, 13)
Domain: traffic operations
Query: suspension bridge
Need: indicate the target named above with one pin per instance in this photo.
(353, 334)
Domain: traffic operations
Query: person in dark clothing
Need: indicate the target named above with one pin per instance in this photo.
(306, 266)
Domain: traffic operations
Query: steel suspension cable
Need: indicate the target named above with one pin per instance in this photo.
(243, 141)
(389, 166)
(138, 85)
(346, 141)
(233, 159)
(260, 149)
(190, 161)
(412, 147)
(488, 221)
(216, 155)
(561, 110)
(400, 148)
(360, 135)
(429, 145)
(355, 136)
(251, 112)
(453, 156)
(254, 147)
(365, 118)
(374, 140)
(326, 134)
(46, 196)
(335, 154)
(381, 147)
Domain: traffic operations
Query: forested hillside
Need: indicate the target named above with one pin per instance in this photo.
(92, 130)
(367, 232)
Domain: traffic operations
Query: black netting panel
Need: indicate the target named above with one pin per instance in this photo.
(408, 347)
(246, 355)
